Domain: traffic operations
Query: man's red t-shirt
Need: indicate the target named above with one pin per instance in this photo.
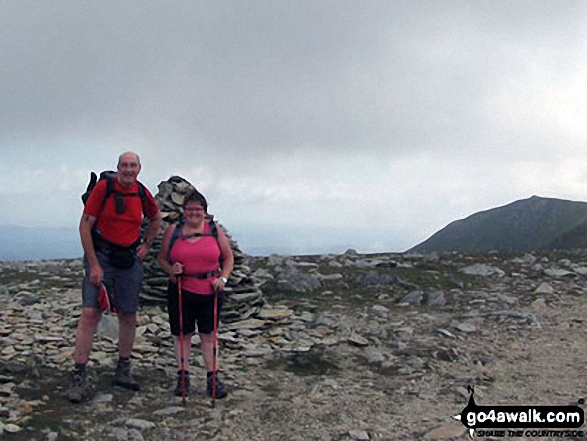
(119, 228)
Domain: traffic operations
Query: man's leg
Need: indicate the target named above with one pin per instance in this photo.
(126, 336)
(127, 287)
(84, 338)
(127, 325)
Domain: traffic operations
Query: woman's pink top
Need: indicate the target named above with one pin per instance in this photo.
(201, 256)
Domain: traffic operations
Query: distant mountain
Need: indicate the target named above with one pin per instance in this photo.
(530, 224)
(28, 243)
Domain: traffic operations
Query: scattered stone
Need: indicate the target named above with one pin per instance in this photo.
(581, 270)
(352, 351)
(169, 411)
(414, 298)
(465, 327)
(544, 288)
(357, 340)
(435, 299)
(139, 424)
(359, 435)
(480, 269)
(11, 428)
(380, 310)
(558, 272)
(539, 306)
(275, 313)
(447, 431)
(374, 278)
(445, 332)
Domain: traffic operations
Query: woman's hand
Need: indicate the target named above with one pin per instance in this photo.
(175, 270)
(219, 284)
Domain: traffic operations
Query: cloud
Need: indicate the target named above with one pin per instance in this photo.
(393, 117)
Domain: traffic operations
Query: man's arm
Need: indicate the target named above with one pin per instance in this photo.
(85, 231)
(152, 231)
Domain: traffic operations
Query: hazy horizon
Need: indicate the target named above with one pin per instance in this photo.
(22, 243)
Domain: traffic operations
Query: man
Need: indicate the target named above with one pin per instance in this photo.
(113, 253)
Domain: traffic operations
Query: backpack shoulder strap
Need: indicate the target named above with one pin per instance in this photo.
(143, 196)
(173, 238)
(214, 234)
(109, 187)
(213, 228)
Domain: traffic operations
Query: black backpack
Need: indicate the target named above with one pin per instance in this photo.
(109, 176)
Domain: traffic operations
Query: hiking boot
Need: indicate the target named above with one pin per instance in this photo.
(178, 392)
(220, 390)
(122, 376)
(80, 389)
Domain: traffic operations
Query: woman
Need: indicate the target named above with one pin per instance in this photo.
(191, 253)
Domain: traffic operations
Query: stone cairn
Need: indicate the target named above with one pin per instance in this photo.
(244, 299)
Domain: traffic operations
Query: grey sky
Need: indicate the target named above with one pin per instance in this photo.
(384, 118)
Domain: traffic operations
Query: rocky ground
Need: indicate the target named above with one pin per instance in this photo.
(346, 347)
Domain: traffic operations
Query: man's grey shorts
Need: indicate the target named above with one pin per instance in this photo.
(124, 283)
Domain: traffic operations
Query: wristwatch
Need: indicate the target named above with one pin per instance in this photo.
(224, 279)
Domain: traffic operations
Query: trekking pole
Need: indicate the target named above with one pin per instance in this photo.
(215, 349)
(181, 348)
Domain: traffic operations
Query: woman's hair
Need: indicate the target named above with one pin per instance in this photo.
(194, 195)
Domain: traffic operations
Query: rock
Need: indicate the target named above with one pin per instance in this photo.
(414, 298)
(291, 279)
(26, 298)
(380, 310)
(544, 288)
(375, 357)
(435, 299)
(480, 269)
(447, 431)
(445, 332)
(12, 428)
(108, 327)
(374, 278)
(103, 398)
(357, 340)
(128, 435)
(275, 313)
(558, 272)
(539, 306)
(465, 327)
(581, 270)
(330, 277)
(139, 424)
(506, 299)
(527, 259)
(169, 411)
(359, 435)
(247, 324)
